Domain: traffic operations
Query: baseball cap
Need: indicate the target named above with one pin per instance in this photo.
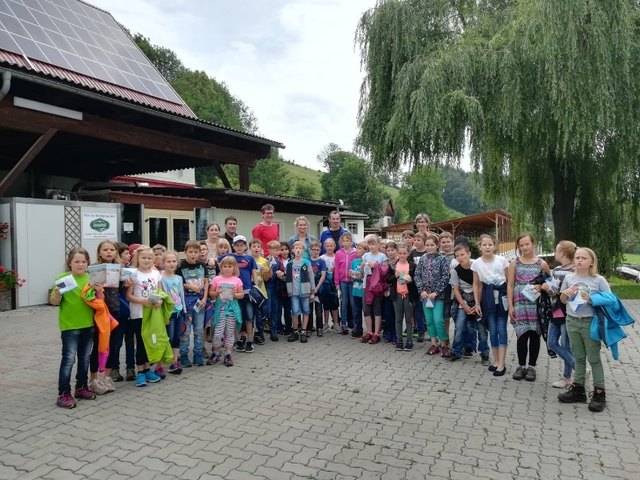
(239, 238)
(133, 247)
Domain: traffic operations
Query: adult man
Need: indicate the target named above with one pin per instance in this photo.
(334, 231)
(266, 230)
(231, 228)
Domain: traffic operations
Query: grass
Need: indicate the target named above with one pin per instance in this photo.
(632, 258)
(624, 289)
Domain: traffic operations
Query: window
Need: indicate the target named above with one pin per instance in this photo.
(352, 227)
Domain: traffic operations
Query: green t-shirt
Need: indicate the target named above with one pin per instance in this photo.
(74, 312)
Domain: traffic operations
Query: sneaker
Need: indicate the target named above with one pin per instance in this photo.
(319, 333)
(175, 368)
(274, 337)
(356, 334)
(420, 337)
(197, 360)
(530, 376)
(499, 373)
(453, 357)
(366, 337)
(408, 346)
(467, 352)
(159, 370)
(345, 331)
(306, 333)
(213, 359)
(293, 337)
(98, 388)
(239, 346)
(303, 338)
(258, 340)
(598, 400)
(485, 360)
(83, 393)
(249, 348)
(115, 376)
(375, 338)
(519, 373)
(141, 380)
(228, 361)
(131, 375)
(433, 350)
(574, 393)
(108, 383)
(562, 383)
(399, 347)
(326, 328)
(66, 400)
(185, 362)
(151, 376)
(445, 352)
(552, 354)
(337, 328)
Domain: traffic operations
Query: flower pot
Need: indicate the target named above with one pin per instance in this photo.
(7, 299)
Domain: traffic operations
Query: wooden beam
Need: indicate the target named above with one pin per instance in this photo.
(122, 133)
(222, 175)
(25, 161)
(244, 177)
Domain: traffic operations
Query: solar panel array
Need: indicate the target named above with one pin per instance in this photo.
(76, 36)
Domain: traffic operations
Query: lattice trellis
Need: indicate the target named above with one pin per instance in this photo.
(72, 228)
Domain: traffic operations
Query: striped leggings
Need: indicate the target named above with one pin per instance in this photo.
(226, 327)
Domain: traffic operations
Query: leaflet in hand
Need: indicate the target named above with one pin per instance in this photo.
(127, 274)
(226, 291)
(529, 292)
(108, 274)
(155, 298)
(576, 302)
(66, 284)
(428, 303)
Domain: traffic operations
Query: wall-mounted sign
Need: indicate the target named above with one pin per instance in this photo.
(99, 225)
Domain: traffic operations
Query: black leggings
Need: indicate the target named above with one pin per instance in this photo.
(141, 353)
(533, 348)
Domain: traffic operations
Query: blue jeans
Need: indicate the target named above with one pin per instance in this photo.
(497, 323)
(558, 341)
(461, 332)
(478, 337)
(274, 308)
(260, 315)
(75, 343)
(357, 314)
(346, 299)
(300, 305)
(193, 321)
(418, 314)
(174, 329)
(246, 308)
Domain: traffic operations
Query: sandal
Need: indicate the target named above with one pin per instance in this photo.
(375, 338)
(366, 337)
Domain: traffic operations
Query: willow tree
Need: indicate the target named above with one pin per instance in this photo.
(545, 93)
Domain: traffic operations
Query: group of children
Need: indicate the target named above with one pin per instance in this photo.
(236, 294)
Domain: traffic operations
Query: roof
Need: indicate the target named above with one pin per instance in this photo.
(352, 214)
(475, 221)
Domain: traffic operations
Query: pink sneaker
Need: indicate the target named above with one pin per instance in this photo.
(160, 372)
(83, 393)
(66, 400)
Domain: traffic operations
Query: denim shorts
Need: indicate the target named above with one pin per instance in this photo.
(300, 305)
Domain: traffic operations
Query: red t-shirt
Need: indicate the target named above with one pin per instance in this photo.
(265, 234)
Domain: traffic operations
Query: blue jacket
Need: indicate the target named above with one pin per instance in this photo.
(607, 323)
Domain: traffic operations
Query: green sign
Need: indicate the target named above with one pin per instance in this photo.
(99, 225)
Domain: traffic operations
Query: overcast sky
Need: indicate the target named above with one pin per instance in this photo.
(293, 62)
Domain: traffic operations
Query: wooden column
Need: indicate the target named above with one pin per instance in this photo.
(26, 160)
(244, 177)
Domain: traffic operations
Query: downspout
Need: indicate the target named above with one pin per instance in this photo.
(6, 84)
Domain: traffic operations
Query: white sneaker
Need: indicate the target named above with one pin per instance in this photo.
(98, 388)
(337, 328)
(562, 383)
(107, 382)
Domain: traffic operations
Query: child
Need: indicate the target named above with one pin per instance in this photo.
(222, 248)
(523, 310)
(432, 278)
(173, 285)
(407, 239)
(414, 257)
(123, 330)
(227, 289)
(158, 256)
(464, 307)
(145, 282)
(300, 287)
(107, 252)
(575, 291)
(212, 271)
(489, 292)
(319, 268)
(285, 300)
(355, 272)
(342, 264)
(263, 276)
(388, 312)
(248, 272)
(373, 302)
(277, 272)
(75, 319)
(557, 337)
(403, 294)
(329, 298)
(126, 257)
(446, 248)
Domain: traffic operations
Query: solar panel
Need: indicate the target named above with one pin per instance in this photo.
(77, 36)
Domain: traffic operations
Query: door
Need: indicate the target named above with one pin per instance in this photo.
(171, 228)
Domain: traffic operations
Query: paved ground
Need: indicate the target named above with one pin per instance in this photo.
(332, 408)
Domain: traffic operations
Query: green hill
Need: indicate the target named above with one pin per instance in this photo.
(305, 174)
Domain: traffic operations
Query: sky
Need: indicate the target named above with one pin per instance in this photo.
(293, 62)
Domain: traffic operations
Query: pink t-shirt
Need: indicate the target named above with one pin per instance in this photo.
(401, 286)
(265, 234)
(226, 286)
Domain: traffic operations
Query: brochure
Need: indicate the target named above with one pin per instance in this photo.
(66, 284)
(127, 274)
(106, 273)
(225, 291)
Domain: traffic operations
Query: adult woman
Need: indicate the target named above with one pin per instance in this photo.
(213, 230)
(302, 225)
(422, 223)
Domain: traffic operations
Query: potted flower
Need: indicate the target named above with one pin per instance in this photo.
(9, 281)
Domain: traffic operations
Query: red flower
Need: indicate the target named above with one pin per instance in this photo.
(1, 269)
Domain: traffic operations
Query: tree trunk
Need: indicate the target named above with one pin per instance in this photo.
(565, 187)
